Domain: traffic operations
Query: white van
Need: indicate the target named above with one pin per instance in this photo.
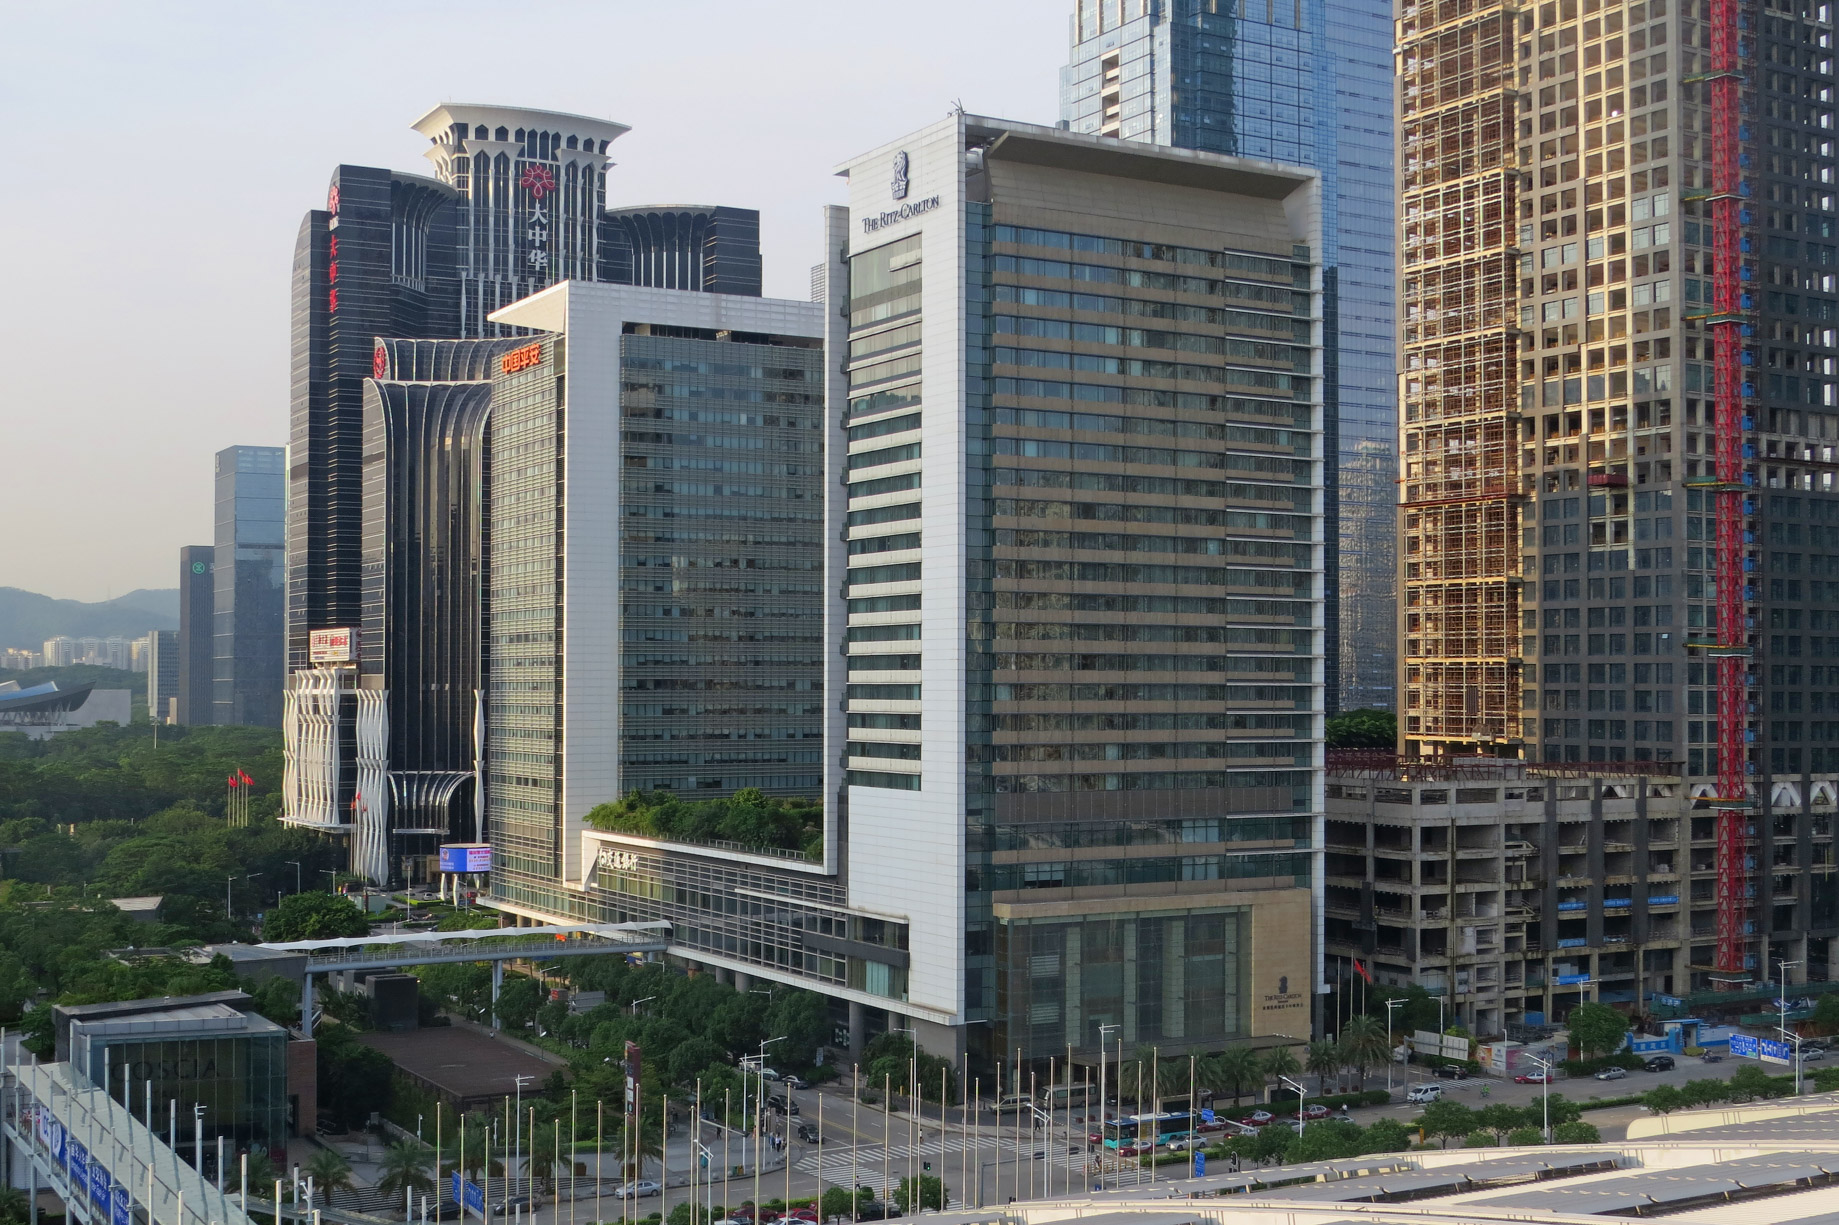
(1012, 1103)
(1424, 1094)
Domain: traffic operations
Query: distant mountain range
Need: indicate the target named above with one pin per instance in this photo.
(27, 618)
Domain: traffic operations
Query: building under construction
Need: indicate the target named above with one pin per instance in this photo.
(1620, 526)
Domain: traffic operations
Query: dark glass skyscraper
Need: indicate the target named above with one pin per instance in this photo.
(197, 597)
(711, 249)
(1308, 82)
(248, 675)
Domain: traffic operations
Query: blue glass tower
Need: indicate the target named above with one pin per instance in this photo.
(1300, 81)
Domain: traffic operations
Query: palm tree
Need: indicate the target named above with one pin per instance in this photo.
(406, 1164)
(261, 1175)
(1281, 1061)
(1238, 1066)
(1322, 1060)
(14, 1210)
(1363, 1044)
(330, 1172)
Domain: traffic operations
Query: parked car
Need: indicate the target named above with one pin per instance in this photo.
(1659, 1063)
(505, 1207)
(807, 1213)
(769, 1074)
(794, 1082)
(1613, 1074)
(1452, 1071)
(1808, 1056)
(780, 1105)
(1316, 1111)
(1538, 1076)
(1257, 1118)
(875, 1210)
(1424, 1094)
(807, 1133)
(638, 1190)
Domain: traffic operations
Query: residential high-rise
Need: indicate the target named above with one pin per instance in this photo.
(248, 601)
(1308, 82)
(1030, 838)
(197, 653)
(163, 675)
(1619, 405)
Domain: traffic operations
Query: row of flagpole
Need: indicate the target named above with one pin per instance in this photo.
(239, 790)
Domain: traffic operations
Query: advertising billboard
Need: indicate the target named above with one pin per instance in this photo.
(466, 857)
(339, 646)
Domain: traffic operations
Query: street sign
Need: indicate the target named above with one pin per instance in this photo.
(1200, 1163)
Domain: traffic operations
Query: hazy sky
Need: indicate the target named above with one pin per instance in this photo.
(161, 156)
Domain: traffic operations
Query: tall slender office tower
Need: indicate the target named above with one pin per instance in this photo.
(1309, 82)
(249, 674)
(1617, 324)
(197, 600)
(1304, 81)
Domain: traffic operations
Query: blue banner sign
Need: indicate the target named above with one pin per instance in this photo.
(1571, 980)
(76, 1161)
(1664, 899)
(1200, 1163)
(121, 1208)
(1776, 1051)
(468, 1194)
(99, 1181)
(1745, 1046)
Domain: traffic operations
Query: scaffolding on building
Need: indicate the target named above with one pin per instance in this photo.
(1731, 485)
(1459, 385)
(1369, 604)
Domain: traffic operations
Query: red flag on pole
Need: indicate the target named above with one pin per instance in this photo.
(231, 780)
(1362, 971)
(246, 780)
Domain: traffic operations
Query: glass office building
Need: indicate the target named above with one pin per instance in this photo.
(659, 627)
(1305, 82)
(248, 596)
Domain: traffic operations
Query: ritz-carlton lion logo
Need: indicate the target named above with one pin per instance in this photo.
(899, 186)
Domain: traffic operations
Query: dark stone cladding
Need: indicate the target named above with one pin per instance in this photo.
(197, 597)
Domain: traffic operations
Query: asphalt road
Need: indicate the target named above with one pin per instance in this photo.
(864, 1146)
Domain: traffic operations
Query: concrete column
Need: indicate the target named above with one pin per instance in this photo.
(497, 985)
(1174, 979)
(857, 1025)
(1129, 1018)
(743, 982)
(1075, 999)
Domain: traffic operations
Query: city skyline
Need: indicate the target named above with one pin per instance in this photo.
(153, 446)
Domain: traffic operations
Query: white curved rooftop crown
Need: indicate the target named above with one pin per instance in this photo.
(441, 119)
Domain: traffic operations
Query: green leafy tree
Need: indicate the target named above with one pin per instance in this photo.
(1663, 1099)
(1365, 728)
(1446, 1119)
(1826, 1013)
(260, 1171)
(802, 1020)
(1596, 1029)
(840, 1203)
(1386, 1136)
(519, 998)
(1500, 1118)
(1520, 1137)
(749, 817)
(1328, 1140)
(1322, 1061)
(926, 1192)
(314, 916)
(1419, 1010)
(1557, 1107)
(1363, 1046)
(1749, 1082)
(1704, 1092)
(1576, 1132)
(14, 1208)
(1480, 1139)
(354, 1080)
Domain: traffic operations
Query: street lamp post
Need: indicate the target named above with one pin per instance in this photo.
(296, 866)
(1103, 1031)
(1781, 1003)
(228, 880)
(1390, 1060)
(1301, 1093)
(1545, 1095)
(636, 1003)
